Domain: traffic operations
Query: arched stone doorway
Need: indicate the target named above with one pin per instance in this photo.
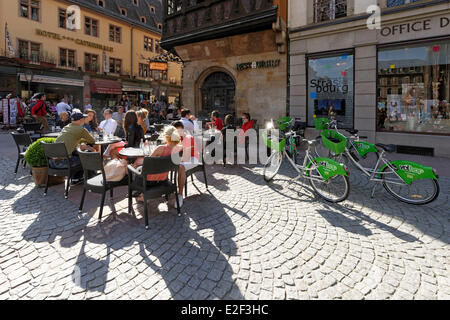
(217, 92)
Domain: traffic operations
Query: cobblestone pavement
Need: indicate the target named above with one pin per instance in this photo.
(244, 239)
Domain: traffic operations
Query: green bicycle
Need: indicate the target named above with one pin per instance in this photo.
(406, 181)
(328, 178)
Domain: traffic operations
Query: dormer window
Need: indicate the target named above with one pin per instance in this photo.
(143, 20)
(136, 2)
(152, 9)
(159, 26)
(101, 3)
(123, 11)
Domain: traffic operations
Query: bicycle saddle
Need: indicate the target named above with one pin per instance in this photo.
(352, 131)
(389, 148)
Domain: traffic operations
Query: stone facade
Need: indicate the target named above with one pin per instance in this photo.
(260, 91)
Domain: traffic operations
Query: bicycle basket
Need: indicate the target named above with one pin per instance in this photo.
(334, 141)
(274, 145)
(321, 123)
(284, 123)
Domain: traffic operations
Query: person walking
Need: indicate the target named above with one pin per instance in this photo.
(39, 111)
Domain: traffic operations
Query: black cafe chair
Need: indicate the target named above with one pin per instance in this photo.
(22, 141)
(92, 163)
(34, 129)
(190, 173)
(137, 181)
(58, 151)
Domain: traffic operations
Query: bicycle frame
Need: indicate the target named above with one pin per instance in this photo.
(371, 173)
(302, 170)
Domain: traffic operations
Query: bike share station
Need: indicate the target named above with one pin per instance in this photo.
(327, 158)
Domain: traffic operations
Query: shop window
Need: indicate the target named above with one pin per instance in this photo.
(91, 27)
(331, 88)
(148, 43)
(91, 62)
(115, 33)
(395, 3)
(115, 65)
(326, 10)
(67, 58)
(419, 102)
(30, 9)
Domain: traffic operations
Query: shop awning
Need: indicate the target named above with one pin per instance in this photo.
(54, 80)
(134, 88)
(106, 86)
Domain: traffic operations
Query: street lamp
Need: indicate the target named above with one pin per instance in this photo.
(29, 78)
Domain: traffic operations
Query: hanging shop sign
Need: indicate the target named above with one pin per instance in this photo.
(161, 66)
(58, 36)
(258, 64)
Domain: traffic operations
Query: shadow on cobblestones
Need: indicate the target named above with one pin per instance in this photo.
(351, 221)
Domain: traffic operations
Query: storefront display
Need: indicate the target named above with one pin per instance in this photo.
(330, 88)
(414, 88)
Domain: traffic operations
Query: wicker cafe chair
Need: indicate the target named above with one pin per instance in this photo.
(152, 165)
(92, 162)
(22, 141)
(58, 151)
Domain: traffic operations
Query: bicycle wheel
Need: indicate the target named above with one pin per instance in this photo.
(334, 190)
(272, 166)
(419, 192)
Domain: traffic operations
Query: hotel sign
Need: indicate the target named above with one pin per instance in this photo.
(162, 66)
(258, 64)
(57, 36)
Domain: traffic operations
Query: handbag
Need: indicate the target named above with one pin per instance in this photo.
(115, 170)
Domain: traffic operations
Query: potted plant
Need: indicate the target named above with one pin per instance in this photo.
(35, 158)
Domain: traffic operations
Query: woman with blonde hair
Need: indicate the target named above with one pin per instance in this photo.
(142, 115)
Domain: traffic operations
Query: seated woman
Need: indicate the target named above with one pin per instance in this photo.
(190, 158)
(142, 119)
(133, 131)
(172, 146)
(229, 120)
(90, 123)
(64, 120)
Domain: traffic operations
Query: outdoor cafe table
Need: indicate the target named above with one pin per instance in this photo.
(51, 135)
(131, 153)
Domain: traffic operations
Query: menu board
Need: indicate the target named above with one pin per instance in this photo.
(10, 106)
(13, 113)
(5, 111)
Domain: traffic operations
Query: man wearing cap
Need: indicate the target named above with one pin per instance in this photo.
(72, 135)
(39, 112)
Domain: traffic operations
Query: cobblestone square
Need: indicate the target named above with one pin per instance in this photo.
(241, 239)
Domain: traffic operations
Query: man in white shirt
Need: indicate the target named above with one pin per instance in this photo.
(109, 125)
(187, 122)
(63, 107)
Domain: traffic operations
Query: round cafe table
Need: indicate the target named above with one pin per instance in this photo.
(51, 135)
(131, 153)
(105, 143)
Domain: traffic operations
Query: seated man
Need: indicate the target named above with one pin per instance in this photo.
(72, 135)
(191, 157)
(109, 125)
